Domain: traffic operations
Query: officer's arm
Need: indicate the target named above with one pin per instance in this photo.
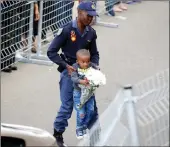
(55, 46)
(94, 51)
(93, 65)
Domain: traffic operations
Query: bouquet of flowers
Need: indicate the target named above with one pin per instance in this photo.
(96, 78)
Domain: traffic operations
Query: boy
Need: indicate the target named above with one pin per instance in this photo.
(85, 112)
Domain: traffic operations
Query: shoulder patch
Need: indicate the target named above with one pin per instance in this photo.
(59, 31)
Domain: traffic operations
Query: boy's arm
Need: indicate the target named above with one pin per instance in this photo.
(74, 75)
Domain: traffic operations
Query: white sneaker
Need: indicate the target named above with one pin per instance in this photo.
(79, 133)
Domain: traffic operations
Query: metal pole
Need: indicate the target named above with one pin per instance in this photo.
(131, 115)
(106, 24)
(30, 29)
(0, 33)
(40, 28)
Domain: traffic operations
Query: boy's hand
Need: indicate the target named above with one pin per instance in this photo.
(84, 82)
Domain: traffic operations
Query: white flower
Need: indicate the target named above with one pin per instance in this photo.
(95, 77)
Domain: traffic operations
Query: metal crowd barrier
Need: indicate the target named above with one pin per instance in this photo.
(138, 116)
(18, 28)
(53, 15)
(17, 33)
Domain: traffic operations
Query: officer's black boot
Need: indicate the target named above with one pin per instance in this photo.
(59, 138)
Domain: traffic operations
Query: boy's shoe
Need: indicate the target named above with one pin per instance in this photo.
(84, 131)
(79, 133)
(59, 138)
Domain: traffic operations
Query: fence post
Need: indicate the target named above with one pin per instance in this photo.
(30, 29)
(40, 28)
(131, 115)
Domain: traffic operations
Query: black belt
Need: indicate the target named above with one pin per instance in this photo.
(67, 59)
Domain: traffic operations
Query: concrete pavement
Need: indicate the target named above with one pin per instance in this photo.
(137, 49)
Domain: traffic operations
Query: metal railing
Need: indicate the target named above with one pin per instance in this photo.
(138, 116)
(17, 33)
(18, 28)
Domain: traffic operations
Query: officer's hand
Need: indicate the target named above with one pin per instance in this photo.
(70, 69)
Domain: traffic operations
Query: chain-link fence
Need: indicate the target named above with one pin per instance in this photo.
(138, 116)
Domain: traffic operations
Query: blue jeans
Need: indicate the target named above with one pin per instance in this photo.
(66, 108)
(109, 4)
(84, 115)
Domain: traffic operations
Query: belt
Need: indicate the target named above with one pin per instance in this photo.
(67, 59)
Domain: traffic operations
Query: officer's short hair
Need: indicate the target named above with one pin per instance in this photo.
(83, 52)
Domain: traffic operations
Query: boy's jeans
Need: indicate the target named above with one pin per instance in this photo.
(66, 96)
(84, 115)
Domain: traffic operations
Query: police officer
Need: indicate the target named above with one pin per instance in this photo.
(74, 36)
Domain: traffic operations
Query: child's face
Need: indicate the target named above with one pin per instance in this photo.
(83, 61)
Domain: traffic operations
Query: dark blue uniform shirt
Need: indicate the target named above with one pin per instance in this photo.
(70, 40)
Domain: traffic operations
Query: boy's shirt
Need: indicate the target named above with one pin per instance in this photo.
(78, 75)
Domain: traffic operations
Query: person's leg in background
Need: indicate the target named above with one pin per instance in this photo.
(109, 7)
(45, 21)
(36, 18)
(66, 96)
(35, 33)
(119, 6)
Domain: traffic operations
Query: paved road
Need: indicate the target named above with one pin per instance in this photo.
(137, 49)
